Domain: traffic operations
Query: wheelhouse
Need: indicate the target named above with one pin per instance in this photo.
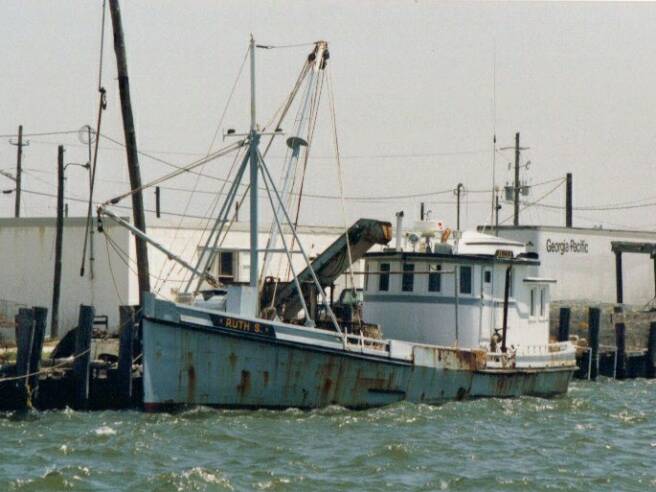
(457, 299)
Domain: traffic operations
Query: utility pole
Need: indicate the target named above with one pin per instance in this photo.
(458, 190)
(516, 185)
(568, 201)
(131, 149)
(56, 287)
(19, 170)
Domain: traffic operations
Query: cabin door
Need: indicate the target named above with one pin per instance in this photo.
(487, 307)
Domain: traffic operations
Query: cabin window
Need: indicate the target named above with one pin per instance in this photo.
(488, 276)
(383, 279)
(435, 278)
(543, 301)
(465, 280)
(532, 304)
(408, 279)
(366, 276)
(225, 261)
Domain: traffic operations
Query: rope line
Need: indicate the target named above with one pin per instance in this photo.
(331, 100)
(46, 369)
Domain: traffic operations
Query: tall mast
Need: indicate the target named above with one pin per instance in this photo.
(254, 137)
(131, 149)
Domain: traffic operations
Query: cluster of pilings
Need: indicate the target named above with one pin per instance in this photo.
(71, 377)
(594, 359)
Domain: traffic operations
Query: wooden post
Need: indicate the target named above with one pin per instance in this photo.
(568, 200)
(83, 356)
(40, 315)
(594, 316)
(620, 344)
(506, 295)
(24, 337)
(563, 324)
(650, 362)
(157, 202)
(618, 277)
(126, 353)
(59, 238)
(654, 262)
(459, 189)
(131, 149)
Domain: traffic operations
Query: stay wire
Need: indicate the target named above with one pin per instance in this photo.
(333, 113)
(197, 181)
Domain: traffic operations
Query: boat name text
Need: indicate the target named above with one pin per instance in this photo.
(244, 325)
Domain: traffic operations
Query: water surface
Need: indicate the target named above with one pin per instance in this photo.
(601, 436)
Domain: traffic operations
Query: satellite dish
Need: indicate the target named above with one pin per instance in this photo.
(86, 135)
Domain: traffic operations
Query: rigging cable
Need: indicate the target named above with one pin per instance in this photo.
(331, 100)
(102, 105)
(209, 150)
(311, 129)
(282, 112)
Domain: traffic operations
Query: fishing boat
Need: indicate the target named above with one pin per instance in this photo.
(444, 317)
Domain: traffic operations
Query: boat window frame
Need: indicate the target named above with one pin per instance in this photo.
(408, 277)
(383, 277)
(435, 274)
(461, 280)
(543, 302)
(532, 303)
(218, 263)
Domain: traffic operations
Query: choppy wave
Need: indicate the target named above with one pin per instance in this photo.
(600, 436)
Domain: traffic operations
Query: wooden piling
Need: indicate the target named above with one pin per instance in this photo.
(24, 337)
(83, 356)
(563, 324)
(650, 356)
(620, 344)
(40, 315)
(594, 316)
(126, 354)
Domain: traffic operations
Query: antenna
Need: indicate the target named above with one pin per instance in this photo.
(494, 128)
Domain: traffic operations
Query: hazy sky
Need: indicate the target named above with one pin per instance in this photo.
(414, 87)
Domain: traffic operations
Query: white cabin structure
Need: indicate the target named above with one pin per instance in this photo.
(452, 294)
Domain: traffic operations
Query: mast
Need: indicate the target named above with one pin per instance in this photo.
(131, 149)
(254, 139)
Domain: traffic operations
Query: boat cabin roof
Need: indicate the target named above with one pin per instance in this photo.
(501, 257)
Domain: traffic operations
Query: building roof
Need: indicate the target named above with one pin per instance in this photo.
(576, 230)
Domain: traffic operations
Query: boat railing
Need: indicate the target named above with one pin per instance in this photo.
(550, 348)
(551, 354)
(362, 343)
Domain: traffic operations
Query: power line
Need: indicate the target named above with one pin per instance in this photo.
(600, 208)
(41, 134)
